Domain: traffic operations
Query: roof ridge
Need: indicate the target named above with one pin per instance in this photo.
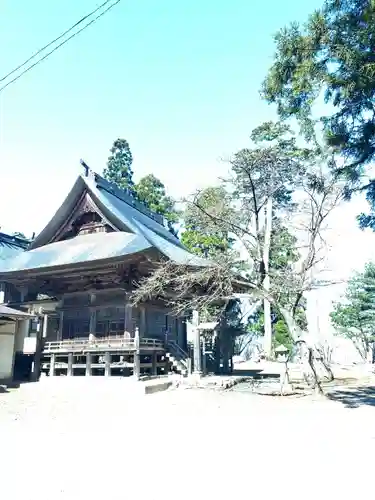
(126, 196)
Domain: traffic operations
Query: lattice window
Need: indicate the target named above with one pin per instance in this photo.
(76, 323)
(80, 300)
(111, 313)
(156, 323)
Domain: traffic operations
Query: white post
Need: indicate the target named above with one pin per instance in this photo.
(137, 356)
(107, 364)
(70, 365)
(35, 372)
(197, 344)
(88, 364)
(52, 365)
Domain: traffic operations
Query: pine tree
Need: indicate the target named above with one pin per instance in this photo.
(151, 191)
(202, 235)
(355, 317)
(331, 55)
(119, 165)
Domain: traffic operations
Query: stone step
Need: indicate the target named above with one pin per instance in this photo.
(179, 364)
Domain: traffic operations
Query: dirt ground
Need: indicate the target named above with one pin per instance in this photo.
(68, 439)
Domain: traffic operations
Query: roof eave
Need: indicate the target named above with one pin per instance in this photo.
(76, 266)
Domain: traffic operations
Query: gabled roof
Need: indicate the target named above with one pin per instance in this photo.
(119, 207)
(137, 228)
(11, 245)
(9, 313)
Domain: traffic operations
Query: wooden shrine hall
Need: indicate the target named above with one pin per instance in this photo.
(76, 278)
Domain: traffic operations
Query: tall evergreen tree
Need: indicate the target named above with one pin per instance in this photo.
(151, 191)
(283, 256)
(202, 234)
(332, 55)
(119, 166)
(355, 317)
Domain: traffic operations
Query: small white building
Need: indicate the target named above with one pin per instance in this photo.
(9, 330)
(11, 320)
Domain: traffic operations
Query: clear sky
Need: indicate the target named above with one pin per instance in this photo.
(179, 79)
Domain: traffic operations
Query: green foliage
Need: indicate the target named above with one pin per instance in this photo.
(283, 249)
(332, 56)
(204, 234)
(355, 318)
(283, 254)
(119, 165)
(270, 168)
(151, 191)
(281, 335)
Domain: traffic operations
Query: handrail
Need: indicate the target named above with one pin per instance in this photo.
(173, 344)
(83, 344)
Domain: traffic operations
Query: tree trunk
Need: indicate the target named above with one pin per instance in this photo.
(267, 343)
(309, 365)
(294, 330)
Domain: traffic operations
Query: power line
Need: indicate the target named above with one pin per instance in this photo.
(55, 40)
(58, 46)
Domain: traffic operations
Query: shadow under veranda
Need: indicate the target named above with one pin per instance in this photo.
(8, 386)
(353, 397)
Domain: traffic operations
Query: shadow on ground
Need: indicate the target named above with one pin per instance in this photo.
(354, 397)
(6, 387)
(244, 373)
(256, 374)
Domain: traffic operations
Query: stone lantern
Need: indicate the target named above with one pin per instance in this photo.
(281, 353)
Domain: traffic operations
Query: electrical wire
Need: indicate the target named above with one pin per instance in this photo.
(58, 46)
(53, 41)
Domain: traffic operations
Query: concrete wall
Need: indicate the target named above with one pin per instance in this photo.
(7, 341)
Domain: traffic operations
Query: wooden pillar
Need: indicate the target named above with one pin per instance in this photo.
(88, 364)
(197, 344)
(204, 358)
(142, 321)
(137, 356)
(107, 364)
(52, 365)
(92, 334)
(60, 332)
(70, 364)
(181, 341)
(41, 333)
(217, 351)
(154, 370)
(128, 318)
(92, 324)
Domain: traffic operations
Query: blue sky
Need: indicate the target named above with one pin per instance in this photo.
(178, 79)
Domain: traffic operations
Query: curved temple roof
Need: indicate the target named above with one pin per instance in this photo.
(138, 230)
(85, 248)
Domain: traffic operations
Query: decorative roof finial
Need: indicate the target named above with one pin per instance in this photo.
(86, 167)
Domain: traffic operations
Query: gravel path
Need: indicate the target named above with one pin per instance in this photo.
(68, 439)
